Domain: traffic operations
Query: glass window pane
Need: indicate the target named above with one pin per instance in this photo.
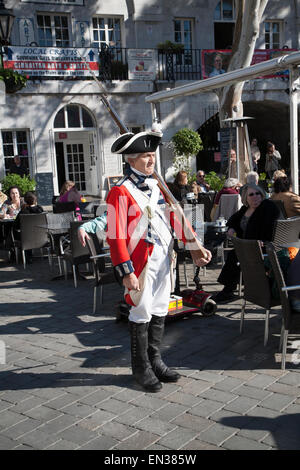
(73, 116)
(177, 25)
(177, 36)
(227, 10)
(217, 13)
(275, 27)
(267, 27)
(7, 137)
(59, 120)
(86, 119)
(187, 25)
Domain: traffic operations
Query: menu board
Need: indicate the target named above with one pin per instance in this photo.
(44, 188)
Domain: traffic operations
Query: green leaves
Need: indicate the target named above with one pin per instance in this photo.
(187, 142)
(25, 183)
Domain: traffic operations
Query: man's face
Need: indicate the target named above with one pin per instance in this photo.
(200, 177)
(218, 62)
(232, 155)
(145, 163)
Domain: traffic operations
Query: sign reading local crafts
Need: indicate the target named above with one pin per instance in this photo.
(52, 61)
(141, 64)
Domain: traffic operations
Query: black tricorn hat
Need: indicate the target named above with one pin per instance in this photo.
(142, 142)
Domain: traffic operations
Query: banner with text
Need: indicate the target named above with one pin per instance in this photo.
(52, 61)
(142, 64)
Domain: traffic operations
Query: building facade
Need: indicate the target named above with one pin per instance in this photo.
(58, 122)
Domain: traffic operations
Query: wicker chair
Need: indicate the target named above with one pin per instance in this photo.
(286, 232)
(103, 274)
(288, 314)
(256, 283)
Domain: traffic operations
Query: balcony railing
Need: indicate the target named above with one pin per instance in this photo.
(116, 63)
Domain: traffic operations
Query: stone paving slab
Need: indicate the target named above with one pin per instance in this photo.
(66, 383)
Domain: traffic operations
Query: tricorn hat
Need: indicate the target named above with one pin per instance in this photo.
(142, 142)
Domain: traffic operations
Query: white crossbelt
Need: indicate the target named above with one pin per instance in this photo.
(152, 214)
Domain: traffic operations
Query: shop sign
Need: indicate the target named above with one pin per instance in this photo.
(142, 64)
(52, 61)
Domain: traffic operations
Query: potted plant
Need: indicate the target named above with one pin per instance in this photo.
(25, 183)
(186, 143)
(215, 182)
(169, 46)
(14, 81)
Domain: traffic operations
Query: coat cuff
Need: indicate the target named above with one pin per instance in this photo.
(124, 268)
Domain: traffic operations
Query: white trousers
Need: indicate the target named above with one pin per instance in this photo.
(156, 294)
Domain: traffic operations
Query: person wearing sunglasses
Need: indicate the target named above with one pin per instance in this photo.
(254, 221)
(203, 186)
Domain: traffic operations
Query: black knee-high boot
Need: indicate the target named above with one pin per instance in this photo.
(155, 335)
(141, 367)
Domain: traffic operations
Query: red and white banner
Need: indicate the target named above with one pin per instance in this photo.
(52, 61)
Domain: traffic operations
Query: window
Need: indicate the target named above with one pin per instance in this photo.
(16, 143)
(273, 35)
(224, 11)
(183, 32)
(106, 31)
(73, 116)
(53, 30)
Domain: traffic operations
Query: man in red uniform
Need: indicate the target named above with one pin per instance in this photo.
(140, 235)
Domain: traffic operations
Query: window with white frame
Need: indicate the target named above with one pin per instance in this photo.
(53, 30)
(183, 32)
(273, 34)
(16, 143)
(224, 11)
(106, 31)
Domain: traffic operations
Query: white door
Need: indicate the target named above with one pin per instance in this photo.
(80, 162)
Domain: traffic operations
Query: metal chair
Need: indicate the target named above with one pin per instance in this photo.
(58, 232)
(257, 288)
(32, 235)
(288, 314)
(286, 232)
(103, 274)
(75, 254)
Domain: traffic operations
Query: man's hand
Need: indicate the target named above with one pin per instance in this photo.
(131, 281)
(200, 261)
(83, 236)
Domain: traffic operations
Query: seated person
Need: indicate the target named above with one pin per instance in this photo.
(293, 279)
(231, 186)
(254, 221)
(96, 225)
(30, 206)
(278, 174)
(180, 188)
(69, 193)
(17, 167)
(12, 205)
(202, 185)
(282, 192)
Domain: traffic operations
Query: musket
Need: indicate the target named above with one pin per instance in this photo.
(197, 250)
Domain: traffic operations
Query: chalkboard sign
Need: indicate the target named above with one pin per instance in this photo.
(227, 141)
(44, 188)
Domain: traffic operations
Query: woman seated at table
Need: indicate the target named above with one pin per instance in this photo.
(254, 221)
(180, 187)
(12, 206)
(69, 193)
(282, 192)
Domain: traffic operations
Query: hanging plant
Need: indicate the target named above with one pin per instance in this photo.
(169, 46)
(14, 81)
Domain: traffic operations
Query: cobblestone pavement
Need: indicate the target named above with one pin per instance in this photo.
(66, 382)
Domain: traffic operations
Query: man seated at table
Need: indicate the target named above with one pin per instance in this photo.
(203, 186)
